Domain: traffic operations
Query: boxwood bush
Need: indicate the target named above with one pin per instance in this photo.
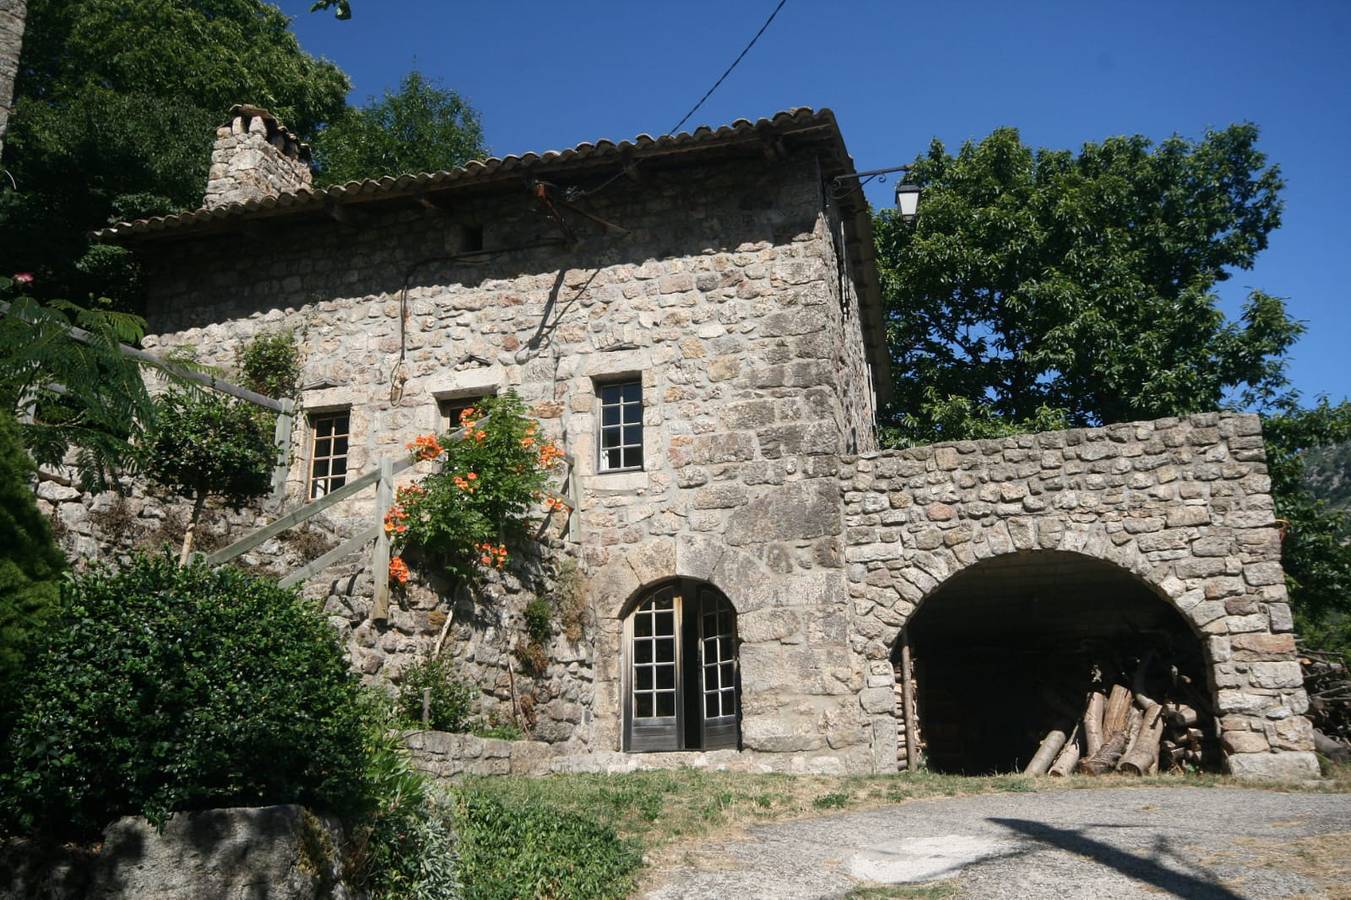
(156, 689)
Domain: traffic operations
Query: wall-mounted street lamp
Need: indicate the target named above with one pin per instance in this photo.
(907, 195)
(907, 200)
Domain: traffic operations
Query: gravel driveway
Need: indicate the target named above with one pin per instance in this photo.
(1218, 843)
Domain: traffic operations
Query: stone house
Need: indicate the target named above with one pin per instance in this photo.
(696, 318)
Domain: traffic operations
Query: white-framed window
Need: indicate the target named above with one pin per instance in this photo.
(328, 451)
(621, 425)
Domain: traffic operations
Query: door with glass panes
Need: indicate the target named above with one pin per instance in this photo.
(681, 684)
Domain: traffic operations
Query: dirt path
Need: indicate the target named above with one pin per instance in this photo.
(1221, 843)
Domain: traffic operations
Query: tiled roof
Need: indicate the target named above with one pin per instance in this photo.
(788, 122)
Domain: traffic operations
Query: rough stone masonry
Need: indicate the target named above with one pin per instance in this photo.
(729, 273)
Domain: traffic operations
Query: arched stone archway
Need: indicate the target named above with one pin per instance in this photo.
(1009, 647)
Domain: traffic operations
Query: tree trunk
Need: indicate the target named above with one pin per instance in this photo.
(1144, 754)
(1093, 722)
(198, 504)
(13, 14)
(1041, 760)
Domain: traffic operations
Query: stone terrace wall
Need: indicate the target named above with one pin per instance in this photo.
(1182, 503)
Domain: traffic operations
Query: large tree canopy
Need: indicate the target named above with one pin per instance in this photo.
(1047, 286)
(115, 111)
(422, 127)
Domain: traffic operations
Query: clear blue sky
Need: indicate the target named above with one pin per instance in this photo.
(546, 75)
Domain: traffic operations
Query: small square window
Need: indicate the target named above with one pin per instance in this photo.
(451, 408)
(621, 426)
(328, 457)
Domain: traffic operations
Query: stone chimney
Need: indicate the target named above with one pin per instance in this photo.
(255, 157)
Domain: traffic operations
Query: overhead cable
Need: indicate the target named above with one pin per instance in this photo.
(696, 106)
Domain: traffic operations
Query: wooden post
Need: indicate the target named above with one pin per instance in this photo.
(426, 708)
(908, 701)
(384, 497)
(281, 438)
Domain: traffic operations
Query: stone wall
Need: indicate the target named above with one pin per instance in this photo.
(1183, 504)
(13, 13)
(724, 295)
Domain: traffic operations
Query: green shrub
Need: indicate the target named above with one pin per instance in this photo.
(156, 689)
(539, 614)
(452, 701)
(30, 562)
(511, 849)
(404, 845)
(270, 365)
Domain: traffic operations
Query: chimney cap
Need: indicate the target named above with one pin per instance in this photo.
(293, 144)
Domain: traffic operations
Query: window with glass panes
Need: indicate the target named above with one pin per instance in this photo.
(328, 456)
(654, 658)
(717, 632)
(621, 426)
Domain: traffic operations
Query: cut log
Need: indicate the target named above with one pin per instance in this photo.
(1105, 759)
(1180, 716)
(1067, 759)
(1118, 708)
(1144, 753)
(1046, 753)
(1093, 722)
(1142, 699)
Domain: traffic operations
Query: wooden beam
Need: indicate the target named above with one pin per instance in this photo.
(384, 497)
(295, 517)
(281, 439)
(346, 548)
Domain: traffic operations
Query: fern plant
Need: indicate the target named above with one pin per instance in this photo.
(82, 396)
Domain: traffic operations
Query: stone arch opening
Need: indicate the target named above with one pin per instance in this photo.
(681, 682)
(1009, 648)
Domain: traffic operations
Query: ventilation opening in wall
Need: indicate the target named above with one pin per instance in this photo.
(1011, 650)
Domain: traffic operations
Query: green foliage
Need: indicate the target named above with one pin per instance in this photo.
(503, 731)
(452, 701)
(403, 845)
(512, 849)
(481, 500)
(539, 615)
(270, 364)
(204, 443)
(422, 127)
(342, 9)
(158, 688)
(1316, 552)
(101, 402)
(115, 112)
(1048, 286)
(30, 564)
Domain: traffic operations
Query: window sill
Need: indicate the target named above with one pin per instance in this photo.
(618, 482)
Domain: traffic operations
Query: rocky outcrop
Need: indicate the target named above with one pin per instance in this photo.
(277, 852)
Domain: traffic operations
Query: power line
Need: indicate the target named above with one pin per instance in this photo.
(696, 106)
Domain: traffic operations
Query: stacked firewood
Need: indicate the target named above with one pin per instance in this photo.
(1329, 686)
(1126, 729)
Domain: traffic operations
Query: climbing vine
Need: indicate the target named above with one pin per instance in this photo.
(491, 485)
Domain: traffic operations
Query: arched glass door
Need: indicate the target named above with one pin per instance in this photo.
(681, 684)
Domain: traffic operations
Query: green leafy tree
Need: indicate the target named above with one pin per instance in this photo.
(1316, 551)
(30, 563)
(422, 127)
(115, 112)
(203, 444)
(1044, 289)
(1044, 285)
